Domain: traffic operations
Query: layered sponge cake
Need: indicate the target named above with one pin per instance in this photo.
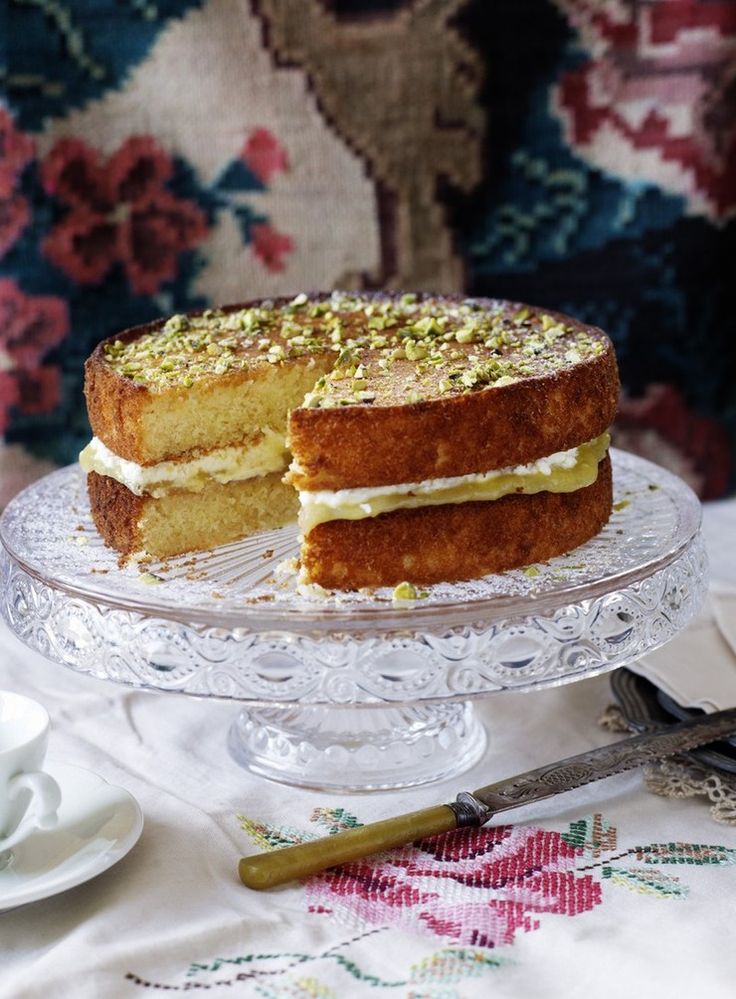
(416, 437)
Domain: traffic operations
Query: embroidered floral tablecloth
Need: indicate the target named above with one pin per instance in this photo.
(608, 890)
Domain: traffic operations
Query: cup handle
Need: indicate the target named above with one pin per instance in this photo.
(44, 815)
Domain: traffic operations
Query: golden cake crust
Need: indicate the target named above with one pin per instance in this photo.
(386, 439)
(453, 542)
(128, 417)
(116, 406)
(116, 512)
(493, 428)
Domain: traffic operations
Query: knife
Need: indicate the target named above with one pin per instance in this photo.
(267, 870)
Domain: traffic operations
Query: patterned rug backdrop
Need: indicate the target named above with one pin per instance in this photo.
(163, 155)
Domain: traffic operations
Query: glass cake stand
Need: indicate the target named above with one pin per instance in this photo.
(352, 690)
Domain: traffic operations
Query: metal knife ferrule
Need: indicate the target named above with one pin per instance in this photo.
(469, 810)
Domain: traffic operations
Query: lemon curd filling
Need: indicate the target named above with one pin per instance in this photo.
(266, 452)
(262, 454)
(562, 472)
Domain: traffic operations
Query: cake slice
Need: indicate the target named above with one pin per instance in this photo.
(433, 438)
(189, 417)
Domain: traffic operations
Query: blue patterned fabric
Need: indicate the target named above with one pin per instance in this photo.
(163, 156)
(60, 54)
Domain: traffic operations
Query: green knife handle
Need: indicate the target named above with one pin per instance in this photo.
(267, 870)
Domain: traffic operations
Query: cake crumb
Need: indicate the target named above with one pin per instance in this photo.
(288, 567)
(312, 590)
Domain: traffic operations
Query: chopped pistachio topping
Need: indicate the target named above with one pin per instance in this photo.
(384, 349)
(404, 591)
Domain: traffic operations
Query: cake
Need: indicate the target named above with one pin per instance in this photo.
(416, 437)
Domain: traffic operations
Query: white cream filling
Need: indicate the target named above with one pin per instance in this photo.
(563, 471)
(261, 455)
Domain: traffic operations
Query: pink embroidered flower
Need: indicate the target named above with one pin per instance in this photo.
(16, 150)
(264, 155)
(659, 426)
(271, 246)
(474, 887)
(119, 212)
(30, 325)
(654, 101)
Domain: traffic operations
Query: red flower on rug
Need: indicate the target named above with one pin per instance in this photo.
(30, 326)
(659, 426)
(264, 155)
(475, 887)
(654, 100)
(120, 211)
(270, 246)
(16, 150)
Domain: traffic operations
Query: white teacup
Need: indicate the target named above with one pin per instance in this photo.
(24, 734)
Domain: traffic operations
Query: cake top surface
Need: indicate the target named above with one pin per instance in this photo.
(387, 350)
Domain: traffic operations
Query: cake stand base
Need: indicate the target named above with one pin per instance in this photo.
(358, 749)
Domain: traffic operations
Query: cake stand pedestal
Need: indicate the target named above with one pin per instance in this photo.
(349, 691)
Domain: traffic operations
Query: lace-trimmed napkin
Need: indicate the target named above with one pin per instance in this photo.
(698, 668)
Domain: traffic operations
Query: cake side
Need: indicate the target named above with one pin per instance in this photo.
(453, 542)
(183, 522)
(363, 363)
(511, 424)
(147, 426)
(116, 512)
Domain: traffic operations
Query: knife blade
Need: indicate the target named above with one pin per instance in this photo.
(267, 870)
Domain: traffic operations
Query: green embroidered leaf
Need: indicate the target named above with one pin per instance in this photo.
(593, 834)
(577, 833)
(363, 976)
(334, 819)
(698, 854)
(646, 882)
(262, 962)
(453, 965)
(218, 963)
(272, 837)
(297, 988)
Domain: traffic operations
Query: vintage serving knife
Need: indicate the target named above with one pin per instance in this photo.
(267, 870)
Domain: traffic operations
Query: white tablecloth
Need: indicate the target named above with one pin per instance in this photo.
(606, 891)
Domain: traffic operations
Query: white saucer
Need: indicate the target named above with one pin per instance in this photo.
(98, 824)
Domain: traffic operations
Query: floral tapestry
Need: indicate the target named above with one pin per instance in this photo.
(160, 157)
